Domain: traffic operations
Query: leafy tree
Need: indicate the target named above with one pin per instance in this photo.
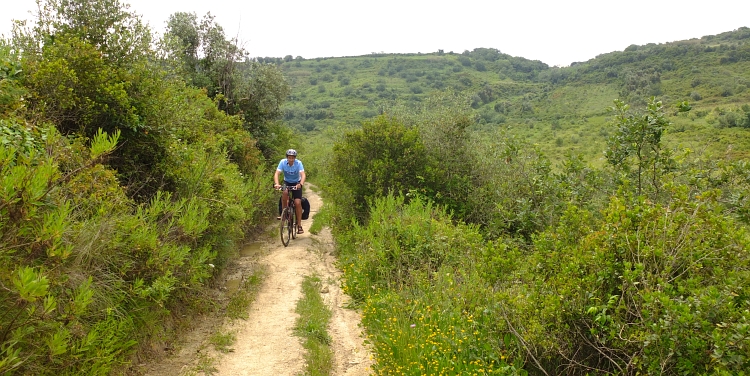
(383, 157)
(107, 25)
(443, 121)
(258, 95)
(207, 57)
(639, 138)
(182, 43)
(251, 89)
(88, 66)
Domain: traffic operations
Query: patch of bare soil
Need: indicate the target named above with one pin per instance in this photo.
(265, 343)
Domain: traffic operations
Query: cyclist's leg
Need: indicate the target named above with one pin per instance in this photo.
(298, 209)
(284, 199)
(297, 194)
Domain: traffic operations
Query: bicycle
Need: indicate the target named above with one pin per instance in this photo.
(288, 223)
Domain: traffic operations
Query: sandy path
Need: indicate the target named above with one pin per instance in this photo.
(265, 343)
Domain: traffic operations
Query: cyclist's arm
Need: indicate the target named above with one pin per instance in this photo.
(276, 178)
(302, 176)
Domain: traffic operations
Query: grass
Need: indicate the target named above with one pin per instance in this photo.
(245, 295)
(223, 341)
(321, 219)
(205, 366)
(312, 326)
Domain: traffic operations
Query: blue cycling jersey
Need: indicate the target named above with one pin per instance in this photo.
(291, 173)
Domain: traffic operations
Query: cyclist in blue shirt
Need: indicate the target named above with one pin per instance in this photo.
(294, 176)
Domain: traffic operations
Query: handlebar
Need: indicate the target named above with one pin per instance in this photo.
(288, 187)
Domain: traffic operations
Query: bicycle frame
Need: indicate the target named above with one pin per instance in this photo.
(288, 223)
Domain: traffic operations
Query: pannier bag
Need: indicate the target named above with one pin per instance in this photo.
(305, 208)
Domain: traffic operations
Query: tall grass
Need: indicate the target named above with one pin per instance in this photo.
(312, 326)
(425, 304)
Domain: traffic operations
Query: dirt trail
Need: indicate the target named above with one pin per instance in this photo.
(265, 343)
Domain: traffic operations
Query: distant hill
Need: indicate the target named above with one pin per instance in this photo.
(563, 109)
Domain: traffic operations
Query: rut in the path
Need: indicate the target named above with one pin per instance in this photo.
(352, 358)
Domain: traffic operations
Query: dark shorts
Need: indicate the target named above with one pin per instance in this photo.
(297, 193)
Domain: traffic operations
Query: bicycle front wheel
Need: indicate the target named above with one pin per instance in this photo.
(286, 226)
(293, 224)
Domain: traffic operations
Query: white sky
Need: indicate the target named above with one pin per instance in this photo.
(556, 32)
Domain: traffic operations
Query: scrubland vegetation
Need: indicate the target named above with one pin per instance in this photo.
(129, 172)
(561, 109)
(499, 261)
(512, 218)
(493, 215)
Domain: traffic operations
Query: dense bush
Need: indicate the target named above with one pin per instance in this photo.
(443, 121)
(738, 118)
(381, 158)
(572, 269)
(426, 308)
(85, 269)
(123, 190)
(655, 289)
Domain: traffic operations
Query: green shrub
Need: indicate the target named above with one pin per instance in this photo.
(422, 283)
(626, 294)
(55, 321)
(93, 260)
(443, 121)
(517, 193)
(731, 119)
(383, 157)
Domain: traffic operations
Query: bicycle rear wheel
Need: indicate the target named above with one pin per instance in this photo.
(286, 226)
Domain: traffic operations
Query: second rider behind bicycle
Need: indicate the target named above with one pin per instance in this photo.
(294, 176)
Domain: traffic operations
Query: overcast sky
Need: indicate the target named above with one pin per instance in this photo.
(556, 32)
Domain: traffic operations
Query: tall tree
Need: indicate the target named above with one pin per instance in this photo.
(89, 66)
(239, 85)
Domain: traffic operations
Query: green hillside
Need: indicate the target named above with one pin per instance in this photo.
(561, 109)
(132, 169)
(475, 246)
